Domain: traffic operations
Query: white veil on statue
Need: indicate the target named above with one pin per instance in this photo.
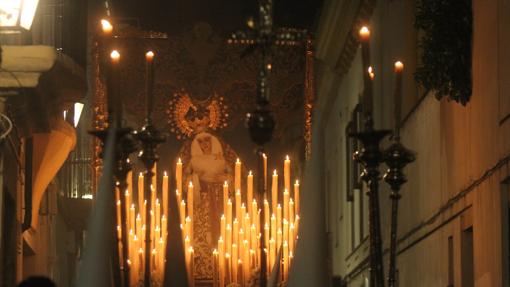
(206, 167)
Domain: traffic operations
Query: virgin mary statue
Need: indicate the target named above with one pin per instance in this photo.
(208, 164)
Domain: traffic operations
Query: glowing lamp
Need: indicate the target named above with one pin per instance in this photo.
(17, 14)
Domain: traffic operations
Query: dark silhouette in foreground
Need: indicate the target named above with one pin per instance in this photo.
(37, 281)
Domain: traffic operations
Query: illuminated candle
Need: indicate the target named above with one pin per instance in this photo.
(238, 204)
(138, 228)
(178, 196)
(253, 239)
(237, 178)
(149, 96)
(266, 212)
(296, 227)
(279, 217)
(140, 193)
(264, 162)
(221, 261)
(291, 211)
(164, 225)
(254, 211)
(182, 212)
(223, 226)
(279, 239)
(114, 99)
(228, 240)
(228, 267)
(285, 230)
(247, 227)
(272, 254)
(187, 227)
(229, 212)
(249, 188)
(234, 266)
(106, 27)
(118, 208)
(178, 175)
(165, 193)
(130, 197)
(296, 196)
(364, 37)
(215, 263)
(286, 173)
(158, 215)
(240, 244)
(291, 237)
(246, 261)
(225, 197)
(132, 217)
(399, 67)
(286, 199)
(274, 191)
(273, 226)
(266, 235)
(235, 232)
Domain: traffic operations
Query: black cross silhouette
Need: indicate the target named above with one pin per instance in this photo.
(263, 36)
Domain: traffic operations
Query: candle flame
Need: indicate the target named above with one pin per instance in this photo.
(149, 56)
(264, 155)
(179, 161)
(274, 172)
(225, 184)
(364, 33)
(115, 55)
(250, 173)
(238, 161)
(190, 184)
(165, 174)
(297, 182)
(106, 26)
(287, 157)
(371, 73)
(399, 66)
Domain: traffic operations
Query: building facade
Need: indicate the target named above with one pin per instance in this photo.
(453, 218)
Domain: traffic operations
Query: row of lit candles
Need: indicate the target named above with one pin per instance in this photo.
(364, 36)
(238, 252)
(136, 223)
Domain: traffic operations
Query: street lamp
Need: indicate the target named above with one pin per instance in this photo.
(17, 14)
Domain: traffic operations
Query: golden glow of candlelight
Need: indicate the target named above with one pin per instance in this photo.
(149, 56)
(106, 26)
(115, 56)
(399, 66)
(190, 184)
(274, 172)
(364, 33)
(371, 73)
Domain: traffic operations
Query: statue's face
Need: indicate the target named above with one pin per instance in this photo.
(205, 144)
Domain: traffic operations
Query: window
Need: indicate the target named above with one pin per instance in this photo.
(467, 270)
(355, 194)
